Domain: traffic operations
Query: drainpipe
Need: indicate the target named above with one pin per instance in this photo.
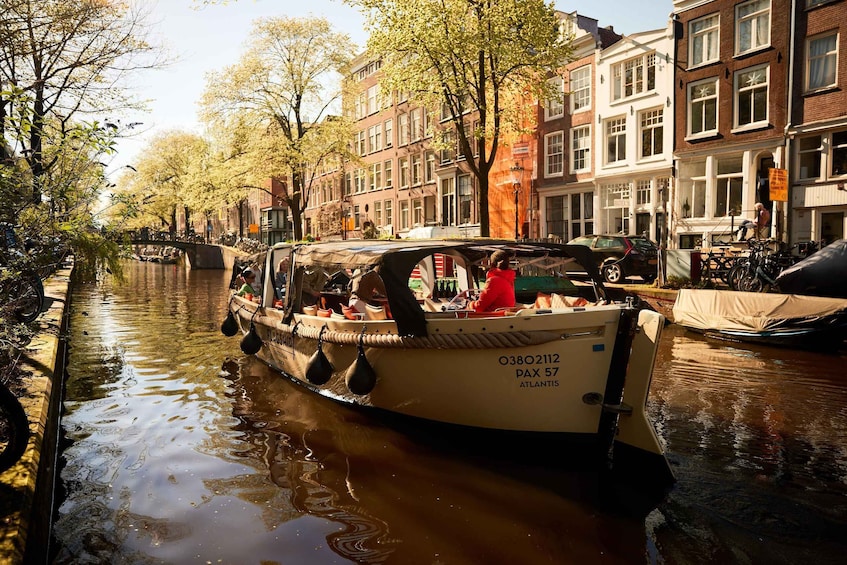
(790, 106)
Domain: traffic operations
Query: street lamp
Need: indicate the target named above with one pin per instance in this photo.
(517, 177)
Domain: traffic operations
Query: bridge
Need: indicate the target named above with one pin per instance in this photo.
(199, 255)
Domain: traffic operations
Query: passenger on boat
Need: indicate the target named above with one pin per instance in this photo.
(312, 284)
(281, 277)
(499, 291)
(365, 287)
(248, 275)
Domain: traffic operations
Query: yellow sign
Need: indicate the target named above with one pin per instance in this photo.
(254, 228)
(778, 184)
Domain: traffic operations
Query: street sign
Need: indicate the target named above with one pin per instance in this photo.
(254, 228)
(778, 184)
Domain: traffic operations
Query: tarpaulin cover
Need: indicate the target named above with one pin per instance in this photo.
(724, 310)
(821, 274)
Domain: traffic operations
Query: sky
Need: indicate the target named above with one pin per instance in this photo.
(204, 39)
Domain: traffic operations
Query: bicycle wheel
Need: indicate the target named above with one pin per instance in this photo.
(736, 273)
(27, 294)
(14, 429)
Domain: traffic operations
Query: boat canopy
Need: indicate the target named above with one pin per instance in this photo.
(721, 310)
(395, 260)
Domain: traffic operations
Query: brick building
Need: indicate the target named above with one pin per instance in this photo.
(731, 100)
(817, 132)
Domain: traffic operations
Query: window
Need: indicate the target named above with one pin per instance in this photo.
(812, 3)
(751, 97)
(704, 38)
(361, 143)
(416, 123)
(448, 202)
(752, 26)
(615, 140)
(839, 153)
(376, 176)
(359, 180)
(821, 61)
(809, 150)
(692, 189)
(389, 174)
(703, 107)
(375, 138)
(652, 132)
(416, 169)
(389, 132)
(378, 213)
(633, 77)
(417, 212)
(429, 170)
(642, 193)
(580, 147)
(404, 215)
(389, 213)
(465, 197)
(555, 106)
(555, 214)
(404, 172)
(554, 154)
(348, 184)
(373, 99)
(728, 185)
(580, 84)
(403, 129)
(614, 200)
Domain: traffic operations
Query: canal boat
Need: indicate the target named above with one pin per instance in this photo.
(565, 361)
(785, 320)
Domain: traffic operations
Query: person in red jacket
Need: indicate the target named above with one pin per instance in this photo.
(499, 290)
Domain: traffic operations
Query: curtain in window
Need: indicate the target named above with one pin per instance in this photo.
(821, 66)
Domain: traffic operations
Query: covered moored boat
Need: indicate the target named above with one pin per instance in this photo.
(789, 320)
(564, 361)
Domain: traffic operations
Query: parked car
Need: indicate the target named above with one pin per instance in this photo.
(622, 256)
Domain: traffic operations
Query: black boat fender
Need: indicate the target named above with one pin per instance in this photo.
(361, 377)
(319, 369)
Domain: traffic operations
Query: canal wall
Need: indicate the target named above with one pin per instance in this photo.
(27, 489)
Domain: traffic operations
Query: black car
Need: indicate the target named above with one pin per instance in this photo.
(622, 256)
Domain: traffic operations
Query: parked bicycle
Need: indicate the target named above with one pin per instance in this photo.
(20, 285)
(758, 271)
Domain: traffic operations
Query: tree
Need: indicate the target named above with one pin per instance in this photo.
(284, 90)
(469, 56)
(59, 59)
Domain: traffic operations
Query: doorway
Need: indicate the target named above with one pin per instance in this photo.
(832, 227)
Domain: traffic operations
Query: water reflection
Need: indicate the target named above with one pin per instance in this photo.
(173, 458)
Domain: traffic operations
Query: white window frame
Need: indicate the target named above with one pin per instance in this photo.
(581, 148)
(740, 90)
(388, 173)
(403, 165)
(704, 41)
(404, 215)
(415, 124)
(555, 107)
(388, 129)
(817, 152)
(703, 99)
(554, 154)
(637, 72)
(614, 131)
(403, 129)
(841, 149)
(376, 176)
(652, 120)
(762, 11)
(830, 56)
(416, 169)
(580, 87)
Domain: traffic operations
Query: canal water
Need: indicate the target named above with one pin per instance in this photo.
(178, 449)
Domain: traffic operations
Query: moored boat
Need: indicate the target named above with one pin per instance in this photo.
(787, 320)
(565, 361)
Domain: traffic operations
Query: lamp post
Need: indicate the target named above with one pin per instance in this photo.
(517, 177)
